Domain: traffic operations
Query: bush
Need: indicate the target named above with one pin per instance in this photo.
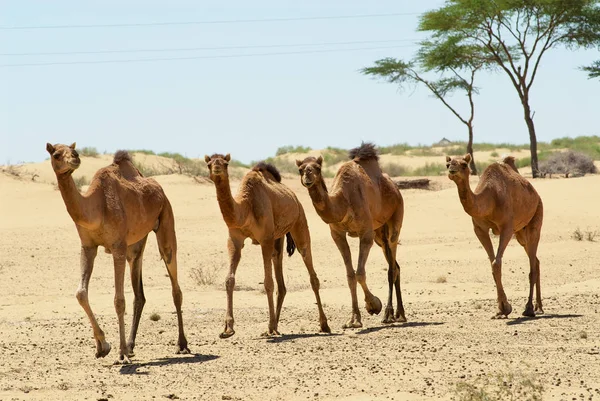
(394, 169)
(144, 151)
(205, 275)
(292, 149)
(589, 145)
(333, 155)
(397, 149)
(571, 163)
(504, 386)
(80, 182)
(429, 169)
(88, 152)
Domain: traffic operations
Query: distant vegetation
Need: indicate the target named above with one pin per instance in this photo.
(292, 149)
(88, 151)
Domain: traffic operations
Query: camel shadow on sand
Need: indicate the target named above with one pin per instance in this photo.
(133, 368)
(526, 319)
(290, 337)
(398, 326)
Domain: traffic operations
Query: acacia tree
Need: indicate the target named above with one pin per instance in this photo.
(593, 70)
(516, 34)
(460, 62)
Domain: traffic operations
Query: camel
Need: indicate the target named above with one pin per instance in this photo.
(506, 203)
(364, 203)
(265, 211)
(117, 212)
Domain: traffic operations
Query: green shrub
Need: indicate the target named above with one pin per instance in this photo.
(397, 149)
(80, 182)
(144, 151)
(394, 169)
(333, 155)
(292, 149)
(429, 169)
(88, 151)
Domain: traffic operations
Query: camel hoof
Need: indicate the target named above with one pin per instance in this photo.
(101, 353)
(325, 328)
(373, 306)
(505, 308)
(183, 351)
(270, 333)
(227, 334)
(499, 315)
(529, 311)
(401, 319)
(539, 310)
(352, 325)
(123, 360)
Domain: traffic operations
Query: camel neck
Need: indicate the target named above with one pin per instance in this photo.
(327, 206)
(228, 205)
(72, 198)
(471, 202)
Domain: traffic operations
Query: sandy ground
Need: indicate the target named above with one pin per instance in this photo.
(47, 348)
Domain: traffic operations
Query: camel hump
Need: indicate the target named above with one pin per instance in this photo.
(366, 151)
(271, 169)
(510, 161)
(121, 156)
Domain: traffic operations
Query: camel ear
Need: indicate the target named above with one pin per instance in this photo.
(50, 148)
(468, 158)
(320, 160)
(207, 159)
(448, 159)
(227, 157)
(298, 162)
(73, 145)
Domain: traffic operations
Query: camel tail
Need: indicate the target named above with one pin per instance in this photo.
(366, 151)
(510, 160)
(291, 245)
(121, 156)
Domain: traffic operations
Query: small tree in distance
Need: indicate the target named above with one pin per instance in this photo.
(516, 34)
(457, 65)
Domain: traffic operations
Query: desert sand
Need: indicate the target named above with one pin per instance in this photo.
(47, 348)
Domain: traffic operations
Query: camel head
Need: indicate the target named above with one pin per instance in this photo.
(64, 159)
(217, 165)
(458, 167)
(310, 170)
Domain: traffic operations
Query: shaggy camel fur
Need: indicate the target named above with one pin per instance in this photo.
(506, 203)
(265, 211)
(118, 211)
(363, 203)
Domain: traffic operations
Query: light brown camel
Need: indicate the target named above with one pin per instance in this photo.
(506, 203)
(117, 212)
(265, 211)
(363, 203)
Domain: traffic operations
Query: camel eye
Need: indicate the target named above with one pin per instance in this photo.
(447, 165)
(56, 156)
(75, 153)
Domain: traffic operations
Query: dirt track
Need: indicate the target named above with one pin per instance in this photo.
(47, 349)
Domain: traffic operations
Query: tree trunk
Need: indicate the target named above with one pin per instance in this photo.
(532, 138)
(470, 150)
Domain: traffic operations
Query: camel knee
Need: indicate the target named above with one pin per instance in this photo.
(82, 296)
(269, 286)
(314, 282)
(120, 305)
(361, 278)
(230, 283)
(177, 296)
(281, 291)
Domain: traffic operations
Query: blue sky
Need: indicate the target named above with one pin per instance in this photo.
(249, 106)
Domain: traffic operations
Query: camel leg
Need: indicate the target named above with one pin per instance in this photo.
(342, 243)
(234, 247)
(372, 303)
(277, 259)
(267, 247)
(301, 237)
(483, 235)
(380, 240)
(167, 246)
(135, 253)
(504, 307)
(119, 260)
(88, 254)
(529, 237)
